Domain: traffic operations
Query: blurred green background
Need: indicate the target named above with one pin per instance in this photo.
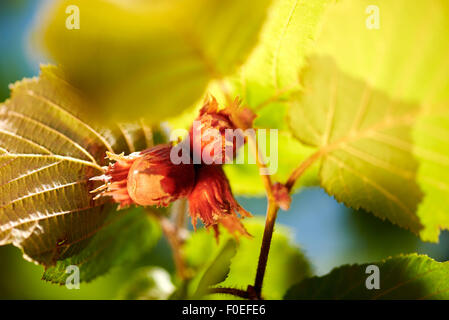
(329, 233)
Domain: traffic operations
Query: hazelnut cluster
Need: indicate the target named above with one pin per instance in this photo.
(150, 178)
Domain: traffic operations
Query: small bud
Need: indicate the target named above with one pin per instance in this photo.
(146, 178)
(211, 201)
(281, 196)
(212, 133)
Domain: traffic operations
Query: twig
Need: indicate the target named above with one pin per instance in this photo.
(297, 173)
(180, 218)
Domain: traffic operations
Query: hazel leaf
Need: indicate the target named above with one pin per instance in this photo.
(218, 269)
(149, 58)
(353, 127)
(408, 277)
(48, 152)
(104, 251)
(269, 77)
(376, 106)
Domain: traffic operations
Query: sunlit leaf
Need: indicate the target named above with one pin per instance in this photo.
(151, 58)
(375, 105)
(406, 277)
(270, 75)
(352, 126)
(48, 152)
(406, 57)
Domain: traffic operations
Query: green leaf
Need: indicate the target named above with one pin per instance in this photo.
(352, 126)
(431, 147)
(405, 277)
(286, 264)
(405, 58)
(202, 252)
(48, 152)
(150, 58)
(271, 73)
(138, 232)
(218, 269)
(376, 107)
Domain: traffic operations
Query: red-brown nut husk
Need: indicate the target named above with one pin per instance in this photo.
(211, 201)
(205, 142)
(147, 178)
